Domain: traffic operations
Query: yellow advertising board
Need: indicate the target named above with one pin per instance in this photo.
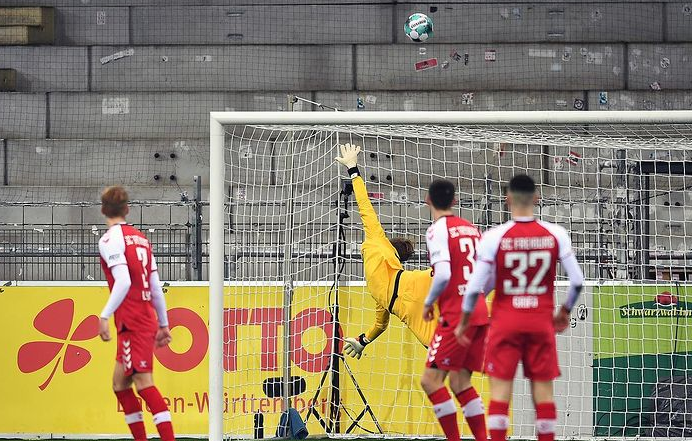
(57, 372)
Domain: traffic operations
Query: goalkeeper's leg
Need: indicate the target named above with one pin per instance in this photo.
(443, 404)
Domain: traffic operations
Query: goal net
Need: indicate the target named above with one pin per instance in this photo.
(287, 282)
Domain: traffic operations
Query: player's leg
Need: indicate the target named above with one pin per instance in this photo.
(122, 386)
(142, 358)
(433, 382)
(460, 382)
(541, 367)
(470, 402)
(144, 382)
(498, 410)
(503, 352)
(546, 413)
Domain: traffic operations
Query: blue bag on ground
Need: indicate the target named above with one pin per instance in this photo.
(291, 426)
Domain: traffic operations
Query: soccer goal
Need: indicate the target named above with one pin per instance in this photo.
(286, 275)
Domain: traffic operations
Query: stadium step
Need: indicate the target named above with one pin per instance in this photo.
(23, 26)
(8, 80)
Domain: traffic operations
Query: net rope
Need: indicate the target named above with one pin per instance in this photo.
(628, 226)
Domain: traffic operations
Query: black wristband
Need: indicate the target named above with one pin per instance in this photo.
(353, 172)
(362, 340)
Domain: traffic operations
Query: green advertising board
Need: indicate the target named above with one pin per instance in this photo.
(641, 338)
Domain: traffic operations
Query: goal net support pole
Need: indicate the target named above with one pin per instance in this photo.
(216, 276)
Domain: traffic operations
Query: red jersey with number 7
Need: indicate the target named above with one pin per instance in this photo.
(123, 244)
(455, 240)
(524, 252)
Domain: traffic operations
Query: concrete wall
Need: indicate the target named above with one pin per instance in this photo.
(143, 70)
(147, 115)
(127, 79)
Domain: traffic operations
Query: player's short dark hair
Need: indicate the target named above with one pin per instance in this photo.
(441, 193)
(114, 201)
(404, 248)
(522, 184)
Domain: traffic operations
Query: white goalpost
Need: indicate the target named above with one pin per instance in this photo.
(286, 280)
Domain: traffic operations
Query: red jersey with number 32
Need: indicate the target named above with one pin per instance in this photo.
(525, 253)
(123, 244)
(454, 240)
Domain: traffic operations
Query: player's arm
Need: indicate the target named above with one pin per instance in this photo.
(121, 286)
(481, 280)
(354, 346)
(163, 336)
(113, 253)
(158, 300)
(442, 274)
(437, 240)
(576, 280)
(371, 223)
(490, 283)
(479, 283)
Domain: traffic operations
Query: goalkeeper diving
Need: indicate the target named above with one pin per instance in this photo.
(395, 290)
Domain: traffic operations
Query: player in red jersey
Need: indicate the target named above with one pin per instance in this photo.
(452, 243)
(521, 256)
(134, 284)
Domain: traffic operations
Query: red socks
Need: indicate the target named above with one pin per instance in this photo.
(158, 408)
(498, 420)
(133, 413)
(546, 416)
(446, 413)
(472, 407)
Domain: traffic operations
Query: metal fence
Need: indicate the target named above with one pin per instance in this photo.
(60, 242)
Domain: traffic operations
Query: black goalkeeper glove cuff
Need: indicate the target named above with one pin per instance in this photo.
(353, 172)
(362, 340)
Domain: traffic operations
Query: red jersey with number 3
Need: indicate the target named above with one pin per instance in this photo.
(455, 240)
(525, 253)
(123, 244)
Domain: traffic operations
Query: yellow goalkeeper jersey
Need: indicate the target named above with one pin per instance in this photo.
(395, 290)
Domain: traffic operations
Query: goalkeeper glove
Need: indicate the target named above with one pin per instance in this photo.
(353, 347)
(349, 155)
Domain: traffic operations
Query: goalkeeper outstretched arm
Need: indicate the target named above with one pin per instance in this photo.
(373, 231)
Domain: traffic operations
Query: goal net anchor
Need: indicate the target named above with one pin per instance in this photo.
(332, 423)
